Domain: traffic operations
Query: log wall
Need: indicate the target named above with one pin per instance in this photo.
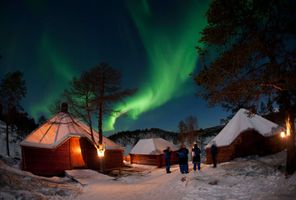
(247, 143)
(157, 160)
(46, 162)
(113, 158)
(74, 153)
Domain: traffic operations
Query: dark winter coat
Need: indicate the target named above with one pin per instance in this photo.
(196, 154)
(167, 155)
(214, 150)
(183, 155)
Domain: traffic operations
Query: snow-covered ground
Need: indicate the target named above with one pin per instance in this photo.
(17, 184)
(248, 178)
(243, 178)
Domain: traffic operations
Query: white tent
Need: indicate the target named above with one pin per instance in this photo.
(153, 146)
(243, 121)
(58, 129)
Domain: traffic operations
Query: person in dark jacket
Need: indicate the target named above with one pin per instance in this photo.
(183, 159)
(167, 158)
(214, 152)
(196, 157)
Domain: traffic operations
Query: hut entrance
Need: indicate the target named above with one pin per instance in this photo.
(76, 154)
(249, 142)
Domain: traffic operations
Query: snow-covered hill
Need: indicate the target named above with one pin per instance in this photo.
(128, 139)
(131, 137)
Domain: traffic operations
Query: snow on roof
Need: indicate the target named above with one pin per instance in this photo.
(242, 121)
(152, 146)
(59, 128)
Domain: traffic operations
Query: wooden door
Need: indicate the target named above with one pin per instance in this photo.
(75, 153)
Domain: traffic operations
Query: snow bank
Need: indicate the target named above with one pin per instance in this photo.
(17, 184)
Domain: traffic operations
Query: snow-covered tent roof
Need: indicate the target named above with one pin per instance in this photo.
(152, 146)
(242, 121)
(58, 129)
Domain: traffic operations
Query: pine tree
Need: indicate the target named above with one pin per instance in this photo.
(12, 90)
(248, 53)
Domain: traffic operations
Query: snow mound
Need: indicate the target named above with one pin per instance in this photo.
(17, 184)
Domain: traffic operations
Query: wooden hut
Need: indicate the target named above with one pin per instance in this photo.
(64, 143)
(150, 152)
(246, 134)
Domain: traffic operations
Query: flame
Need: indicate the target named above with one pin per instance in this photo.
(288, 126)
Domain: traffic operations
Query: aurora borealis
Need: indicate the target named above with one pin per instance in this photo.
(170, 56)
(151, 42)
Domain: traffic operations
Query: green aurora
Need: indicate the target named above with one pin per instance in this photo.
(57, 68)
(171, 57)
(168, 36)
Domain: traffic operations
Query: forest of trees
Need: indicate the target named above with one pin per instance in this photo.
(12, 90)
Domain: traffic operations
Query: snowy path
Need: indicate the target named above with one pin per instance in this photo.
(154, 185)
(243, 179)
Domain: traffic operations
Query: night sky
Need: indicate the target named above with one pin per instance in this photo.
(152, 43)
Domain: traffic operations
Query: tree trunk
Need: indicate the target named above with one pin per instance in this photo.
(291, 156)
(100, 124)
(7, 139)
(91, 128)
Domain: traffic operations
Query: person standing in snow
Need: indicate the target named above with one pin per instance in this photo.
(196, 157)
(214, 152)
(183, 159)
(167, 158)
